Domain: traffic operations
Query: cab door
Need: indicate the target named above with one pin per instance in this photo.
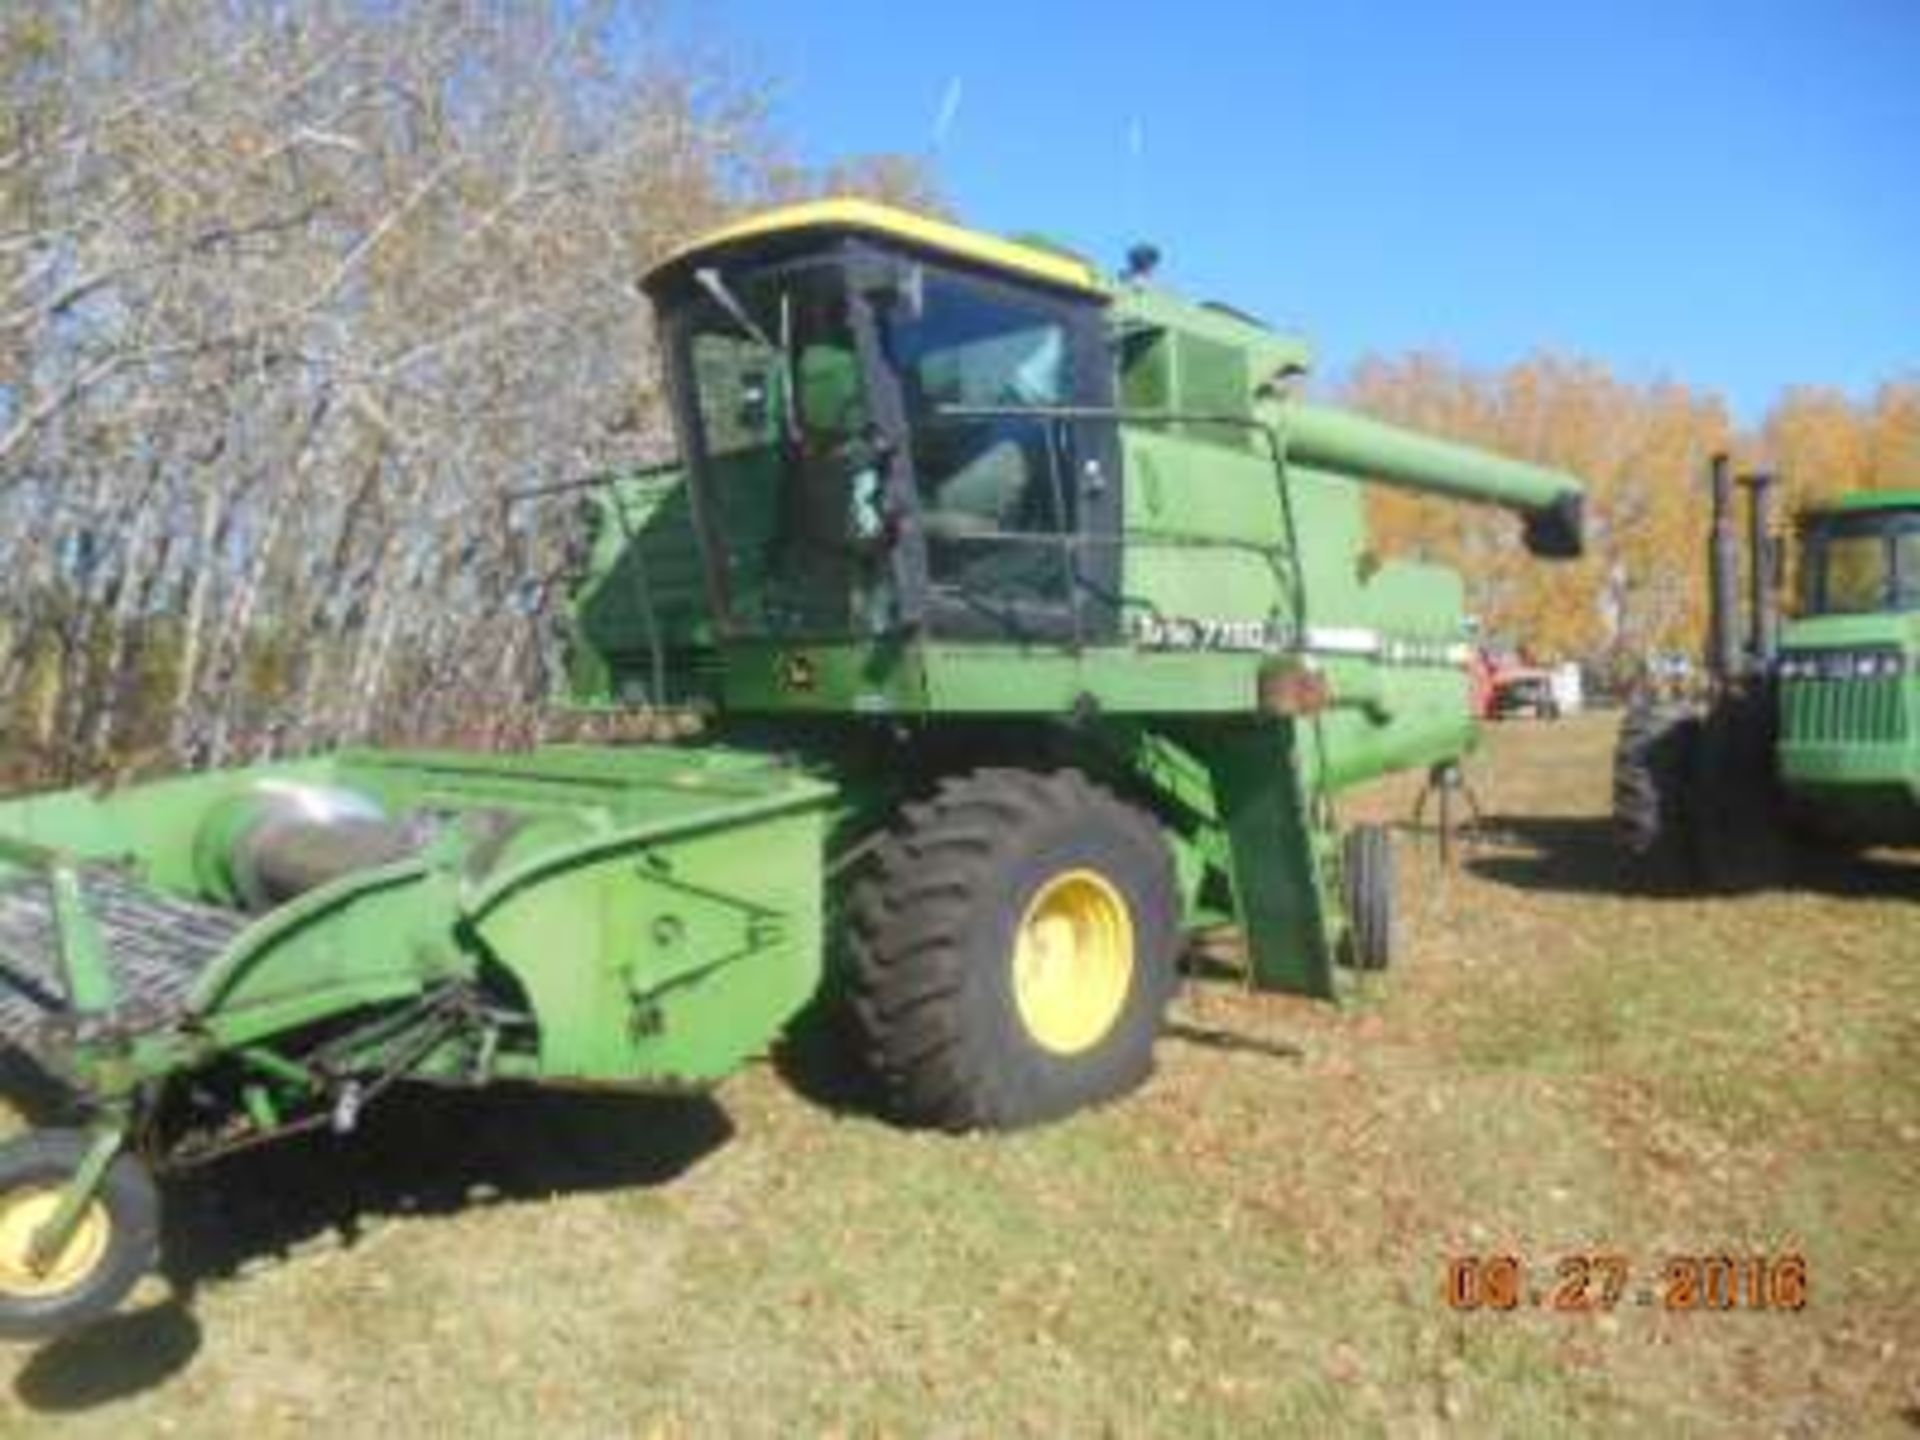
(1007, 395)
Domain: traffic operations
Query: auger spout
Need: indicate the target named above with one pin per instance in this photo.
(1550, 501)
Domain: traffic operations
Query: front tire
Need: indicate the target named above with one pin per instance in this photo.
(1013, 950)
(1740, 832)
(116, 1242)
(1653, 771)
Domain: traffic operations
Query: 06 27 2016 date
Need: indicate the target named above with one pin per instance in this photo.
(1602, 1281)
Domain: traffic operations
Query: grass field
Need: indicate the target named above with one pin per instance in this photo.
(1254, 1244)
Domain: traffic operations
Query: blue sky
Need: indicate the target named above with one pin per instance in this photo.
(1727, 194)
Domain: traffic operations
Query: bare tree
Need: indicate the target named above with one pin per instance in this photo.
(290, 296)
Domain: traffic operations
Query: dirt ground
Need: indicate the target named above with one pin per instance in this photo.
(1258, 1242)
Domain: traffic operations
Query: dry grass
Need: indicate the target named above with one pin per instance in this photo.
(1253, 1244)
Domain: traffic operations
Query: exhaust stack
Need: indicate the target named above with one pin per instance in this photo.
(1723, 579)
(1763, 599)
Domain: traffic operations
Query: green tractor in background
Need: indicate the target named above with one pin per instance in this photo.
(1810, 737)
(1030, 622)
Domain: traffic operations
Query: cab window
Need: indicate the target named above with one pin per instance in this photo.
(1860, 563)
(994, 497)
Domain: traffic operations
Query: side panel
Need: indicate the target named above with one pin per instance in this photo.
(1204, 530)
(668, 961)
(1403, 680)
(1390, 633)
(373, 936)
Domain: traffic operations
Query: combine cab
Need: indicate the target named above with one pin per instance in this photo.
(1811, 737)
(1029, 621)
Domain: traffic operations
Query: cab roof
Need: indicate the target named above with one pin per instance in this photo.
(869, 217)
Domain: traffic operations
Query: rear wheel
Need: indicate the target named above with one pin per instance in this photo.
(1367, 862)
(1013, 950)
(115, 1242)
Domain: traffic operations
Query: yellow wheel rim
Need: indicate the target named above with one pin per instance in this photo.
(1073, 961)
(22, 1213)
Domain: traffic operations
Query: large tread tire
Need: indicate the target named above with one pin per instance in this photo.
(123, 1247)
(1368, 870)
(933, 931)
(1740, 832)
(1653, 772)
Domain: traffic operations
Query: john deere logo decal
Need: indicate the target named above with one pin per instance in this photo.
(796, 673)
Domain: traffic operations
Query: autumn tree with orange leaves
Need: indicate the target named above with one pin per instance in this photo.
(1642, 451)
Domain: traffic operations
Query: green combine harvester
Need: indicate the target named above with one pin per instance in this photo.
(1031, 623)
(1810, 738)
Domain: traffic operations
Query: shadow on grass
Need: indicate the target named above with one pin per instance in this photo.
(1212, 1037)
(422, 1152)
(121, 1356)
(1217, 960)
(1578, 855)
(429, 1152)
(822, 1060)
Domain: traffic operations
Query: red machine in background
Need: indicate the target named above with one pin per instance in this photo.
(1509, 683)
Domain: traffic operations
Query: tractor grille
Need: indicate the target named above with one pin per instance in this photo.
(156, 947)
(1854, 711)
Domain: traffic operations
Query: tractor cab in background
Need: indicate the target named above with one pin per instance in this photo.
(1861, 556)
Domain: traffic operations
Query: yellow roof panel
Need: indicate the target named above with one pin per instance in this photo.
(896, 224)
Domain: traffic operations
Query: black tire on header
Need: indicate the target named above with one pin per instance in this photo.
(116, 1244)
